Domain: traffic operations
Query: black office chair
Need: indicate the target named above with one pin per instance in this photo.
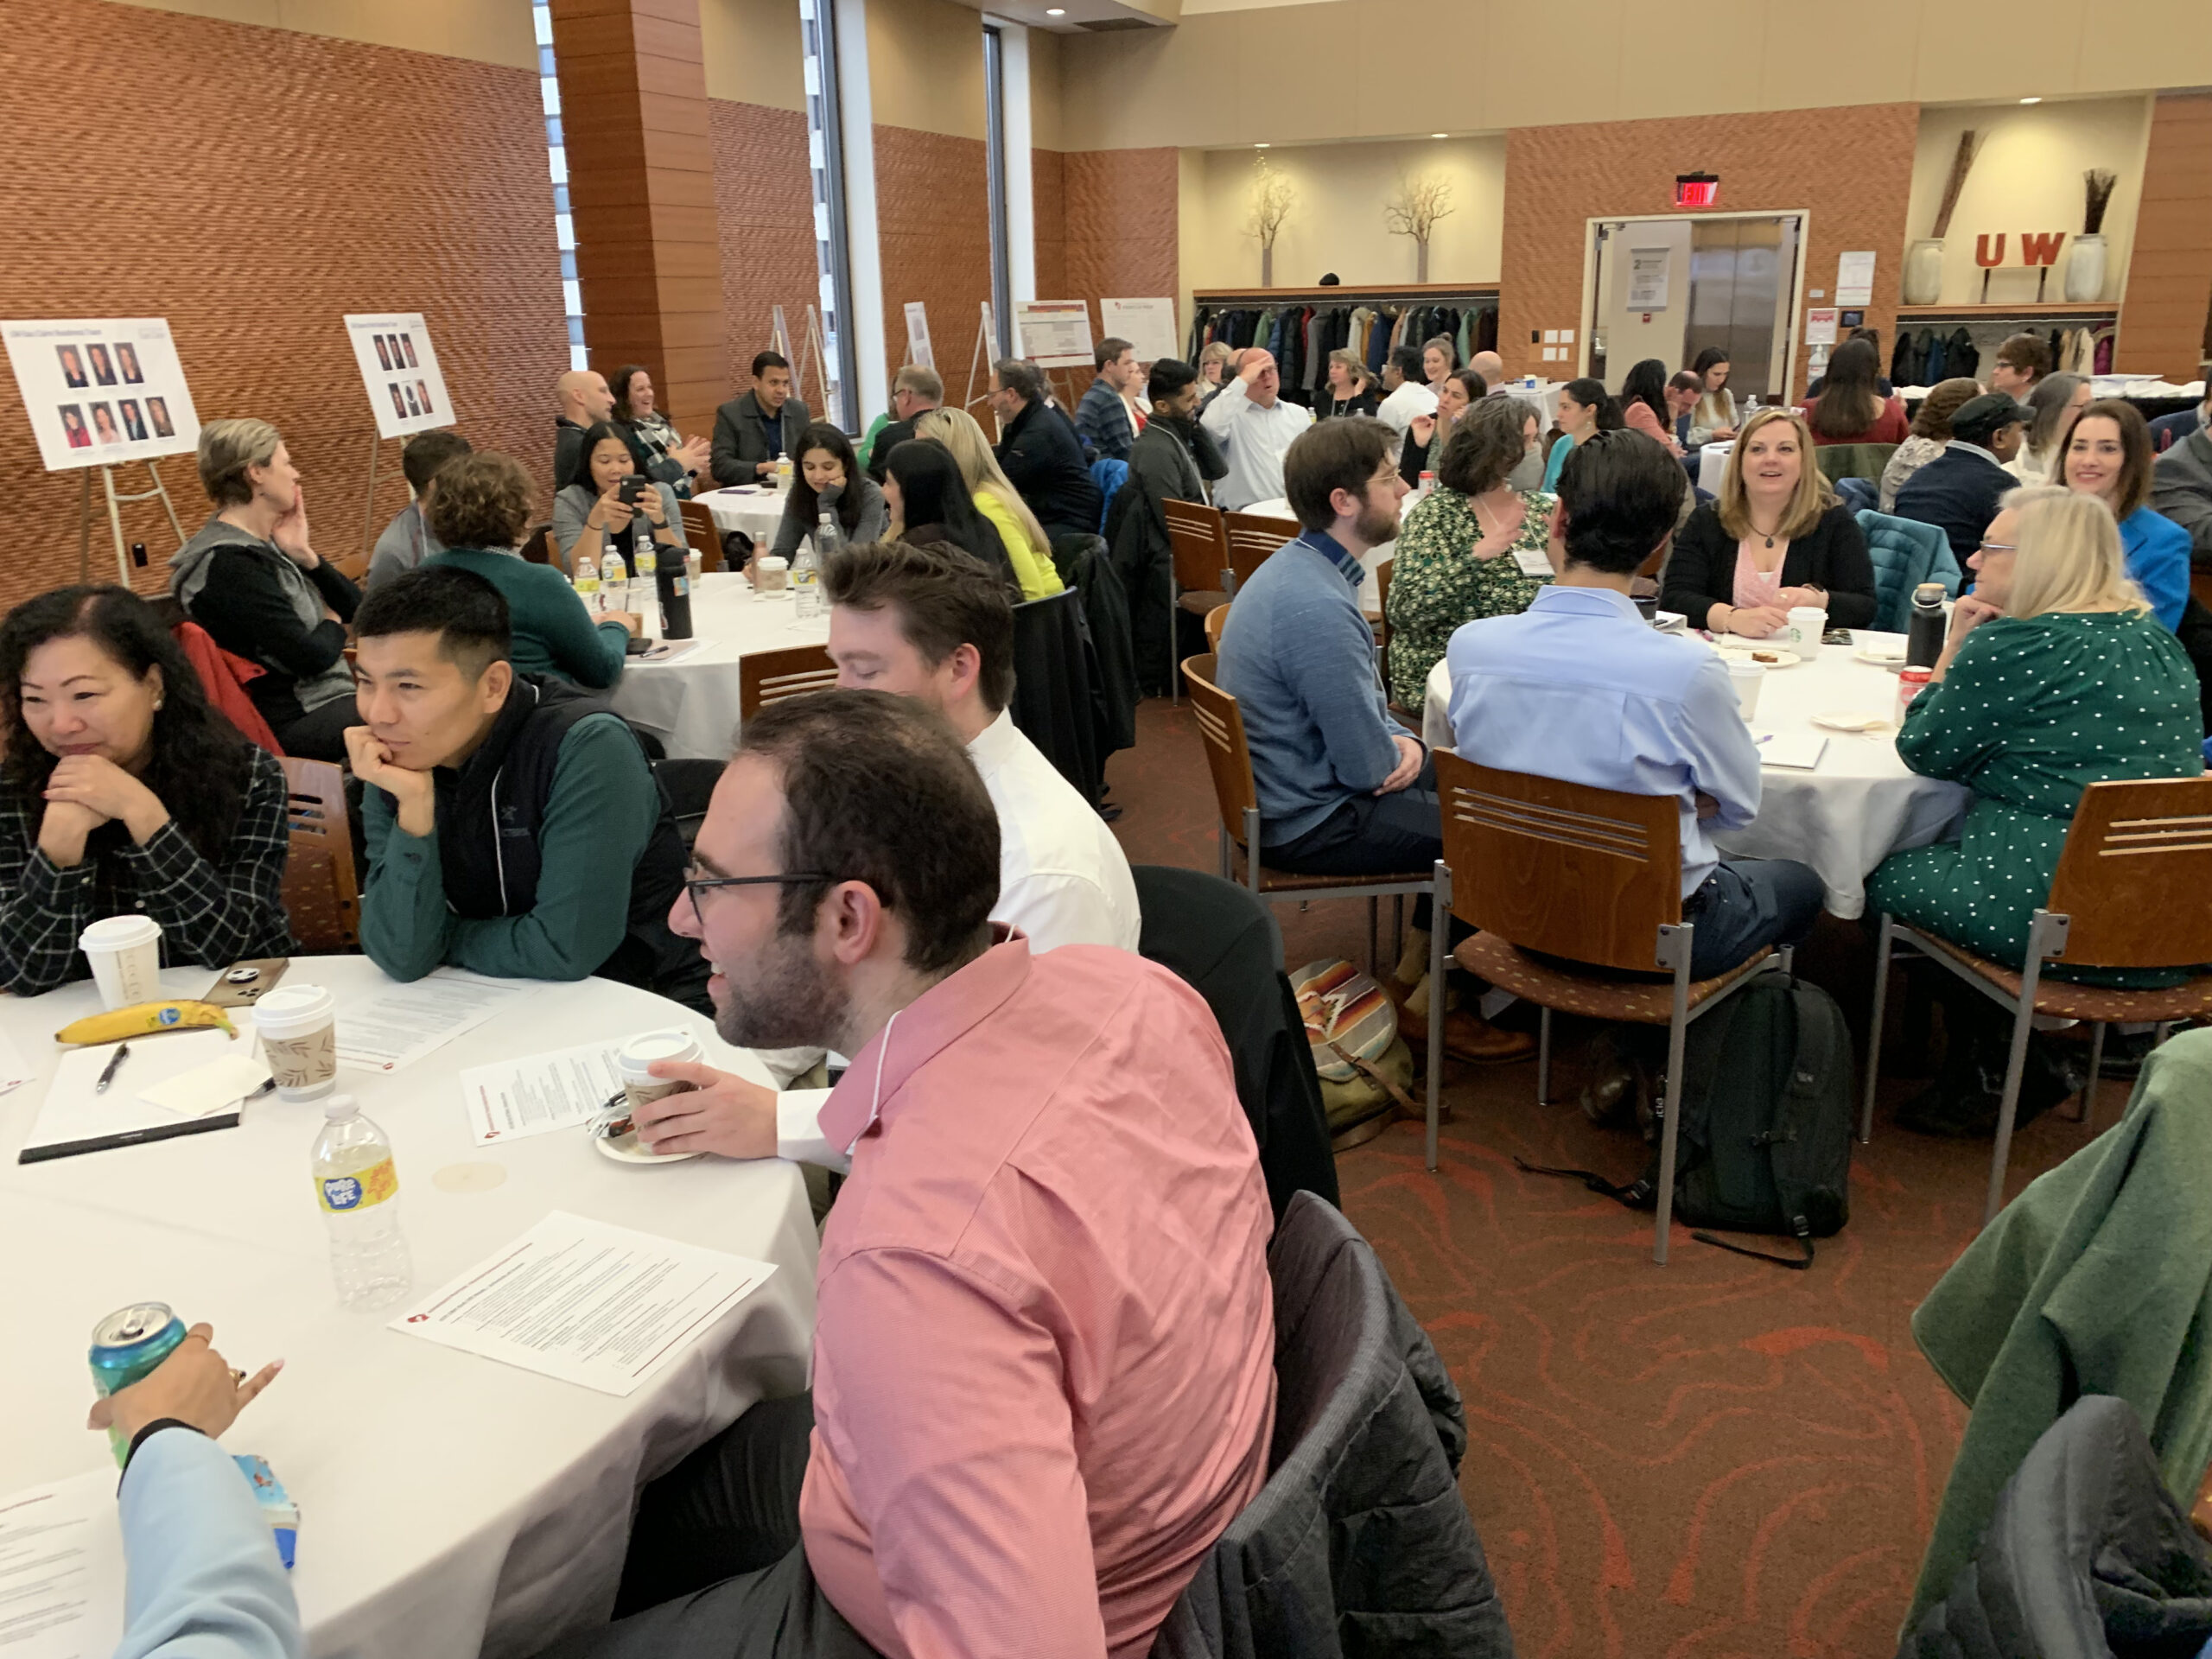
(688, 784)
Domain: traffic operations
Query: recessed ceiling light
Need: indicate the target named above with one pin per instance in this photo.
(1056, 11)
(1439, 134)
(2032, 100)
(1263, 146)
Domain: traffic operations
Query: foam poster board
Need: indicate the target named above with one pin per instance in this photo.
(399, 367)
(102, 392)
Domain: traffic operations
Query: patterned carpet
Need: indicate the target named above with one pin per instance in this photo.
(1715, 1459)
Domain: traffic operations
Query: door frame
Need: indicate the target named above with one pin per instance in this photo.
(1792, 320)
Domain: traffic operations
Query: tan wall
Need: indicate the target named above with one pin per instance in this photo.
(2027, 177)
(752, 55)
(926, 66)
(1337, 224)
(1389, 68)
(485, 31)
(1045, 97)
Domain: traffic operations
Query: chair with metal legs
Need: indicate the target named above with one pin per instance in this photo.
(2128, 893)
(1199, 577)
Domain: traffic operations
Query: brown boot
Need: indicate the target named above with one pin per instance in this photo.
(1469, 1037)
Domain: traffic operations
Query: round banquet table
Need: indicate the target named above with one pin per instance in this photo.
(750, 507)
(690, 703)
(1859, 805)
(448, 1504)
(1711, 465)
(1370, 591)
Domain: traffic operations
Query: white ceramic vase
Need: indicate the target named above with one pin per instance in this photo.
(1924, 272)
(2085, 270)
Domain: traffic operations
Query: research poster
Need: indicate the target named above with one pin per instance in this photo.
(1147, 325)
(102, 392)
(918, 335)
(1053, 334)
(399, 367)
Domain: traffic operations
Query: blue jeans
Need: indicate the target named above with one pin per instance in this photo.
(1373, 835)
(1746, 903)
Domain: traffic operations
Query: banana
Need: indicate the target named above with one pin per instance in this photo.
(141, 1018)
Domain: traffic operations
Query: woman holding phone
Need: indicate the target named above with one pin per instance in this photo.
(607, 505)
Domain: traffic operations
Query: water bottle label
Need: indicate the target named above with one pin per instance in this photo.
(345, 1193)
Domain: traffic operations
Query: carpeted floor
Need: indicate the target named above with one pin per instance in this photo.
(1716, 1460)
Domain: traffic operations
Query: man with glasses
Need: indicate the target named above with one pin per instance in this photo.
(514, 824)
(1345, 789)
(1036, 1402)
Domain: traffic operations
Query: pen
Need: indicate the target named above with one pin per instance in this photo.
(108, 1071)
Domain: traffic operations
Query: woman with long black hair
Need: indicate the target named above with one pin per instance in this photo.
(829, 476)
(1850, 407)
(1586, 409)
(123, 791)
(930, 502)
(1643, 403)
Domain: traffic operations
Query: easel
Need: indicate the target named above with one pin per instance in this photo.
(369, 513)
(820, 363)
(986, 350)
(115, 500)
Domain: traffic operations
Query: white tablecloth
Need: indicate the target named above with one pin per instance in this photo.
(447, 1502)
(755, 510)
(1848, 813)
(690, 703)
(1711, 462)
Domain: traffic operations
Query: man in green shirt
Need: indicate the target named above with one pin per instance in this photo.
(515, 827)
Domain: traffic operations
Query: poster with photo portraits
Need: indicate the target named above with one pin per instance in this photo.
(399, 370)
(102, 392)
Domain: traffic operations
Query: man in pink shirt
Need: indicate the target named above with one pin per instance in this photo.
(1044, 1377)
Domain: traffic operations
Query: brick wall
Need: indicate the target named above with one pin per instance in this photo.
(1121, 225)
(253, 185)
(763, 205)
(1048, 199)
(933, 198)
(1851, 169)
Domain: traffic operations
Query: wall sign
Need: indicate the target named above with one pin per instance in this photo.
(1647, 270)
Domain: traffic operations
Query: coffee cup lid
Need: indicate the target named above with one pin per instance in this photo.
(774, 562)
(294, 1007)
(119, 933)
(1747, 668)
(641, 1050)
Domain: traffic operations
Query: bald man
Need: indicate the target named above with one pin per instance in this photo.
(585, 400)
(1491, 367)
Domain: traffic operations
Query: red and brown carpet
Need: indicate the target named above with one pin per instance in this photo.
(1715, 1459)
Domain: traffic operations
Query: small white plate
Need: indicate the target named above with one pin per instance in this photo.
(628, 1150)
(1879, 659)
(1783, 655)
(1853, 720)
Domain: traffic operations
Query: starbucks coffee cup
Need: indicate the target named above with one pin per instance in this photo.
(125, 952)
(1746, 679)
(299, 1038)
(1806, 625)
(641, 1052)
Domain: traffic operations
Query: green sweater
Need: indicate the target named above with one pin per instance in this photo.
(2096, 1280)
(553, 632)
(601, 813)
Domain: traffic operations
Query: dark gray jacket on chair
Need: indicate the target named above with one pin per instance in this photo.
(1359, 1546)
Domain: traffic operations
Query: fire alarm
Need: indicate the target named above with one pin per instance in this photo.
(1696, 189)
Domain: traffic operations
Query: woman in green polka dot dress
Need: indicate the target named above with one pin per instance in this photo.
(2056, 677)
(1454, 561)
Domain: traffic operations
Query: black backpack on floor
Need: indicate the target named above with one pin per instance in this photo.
(1764, 1144)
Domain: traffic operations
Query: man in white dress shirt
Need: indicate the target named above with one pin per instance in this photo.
(935, 624)
(1407, 394)
(1256, 429)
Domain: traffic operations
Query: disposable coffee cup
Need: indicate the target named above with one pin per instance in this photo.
(125, 956)
(125, 952)
(771, 572)
(694, 564)
(1806, 625)
(641, 1051)
(299, 1038)
(1747, 678)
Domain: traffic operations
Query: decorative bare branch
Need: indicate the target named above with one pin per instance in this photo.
(1414, 206)
(1962, 164)
(1273, 197)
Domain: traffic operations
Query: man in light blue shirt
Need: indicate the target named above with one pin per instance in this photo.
(1344, 789)
(1580, 688)
(205, 1581)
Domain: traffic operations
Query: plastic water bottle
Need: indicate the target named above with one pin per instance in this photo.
(806, 583)
(644, 560)
(357, 1188)
(613, 582)
(586, 582)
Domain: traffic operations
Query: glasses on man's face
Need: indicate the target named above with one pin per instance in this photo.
(695, 883)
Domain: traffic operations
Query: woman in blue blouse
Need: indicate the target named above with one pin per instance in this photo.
(2109, 456)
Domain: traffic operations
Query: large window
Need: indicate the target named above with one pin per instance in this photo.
(832, 253)
(564, 226)
(996, 165)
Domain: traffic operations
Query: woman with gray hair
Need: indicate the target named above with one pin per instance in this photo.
(251, 578)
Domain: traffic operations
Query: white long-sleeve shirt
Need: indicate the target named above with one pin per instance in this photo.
(1063, 880)
(1411, 398)
(1254, 441)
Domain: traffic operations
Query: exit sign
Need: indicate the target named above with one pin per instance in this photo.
(1696, 189)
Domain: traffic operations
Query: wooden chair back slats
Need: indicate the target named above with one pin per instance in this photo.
(767, 677)
(321, 889)
(1199, 545)
(699, 530)
(2134, 873)
(1590, 875)
(1221, 726)
(1216, 620)
(1254, 539)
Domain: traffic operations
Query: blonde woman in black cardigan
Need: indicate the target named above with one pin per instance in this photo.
(1778, 537)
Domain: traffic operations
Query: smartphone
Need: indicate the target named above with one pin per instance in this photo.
(632, 487)
(242, 984)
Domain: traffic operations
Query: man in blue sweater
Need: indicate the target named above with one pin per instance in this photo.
(1344, 789)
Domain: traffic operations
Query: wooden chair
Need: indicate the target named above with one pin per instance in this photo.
(1221, 724)
(767, 677)
(1199, 577)
(1216, 620)
(699, 529)
(2120, 898)
(537, 546)
(322, 891)
(1253, 540)
(1590, 875)
(1382, 623)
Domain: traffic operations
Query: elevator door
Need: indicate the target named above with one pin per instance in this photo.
(1742, 273)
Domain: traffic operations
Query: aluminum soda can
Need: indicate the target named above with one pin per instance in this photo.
(127, 1345)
